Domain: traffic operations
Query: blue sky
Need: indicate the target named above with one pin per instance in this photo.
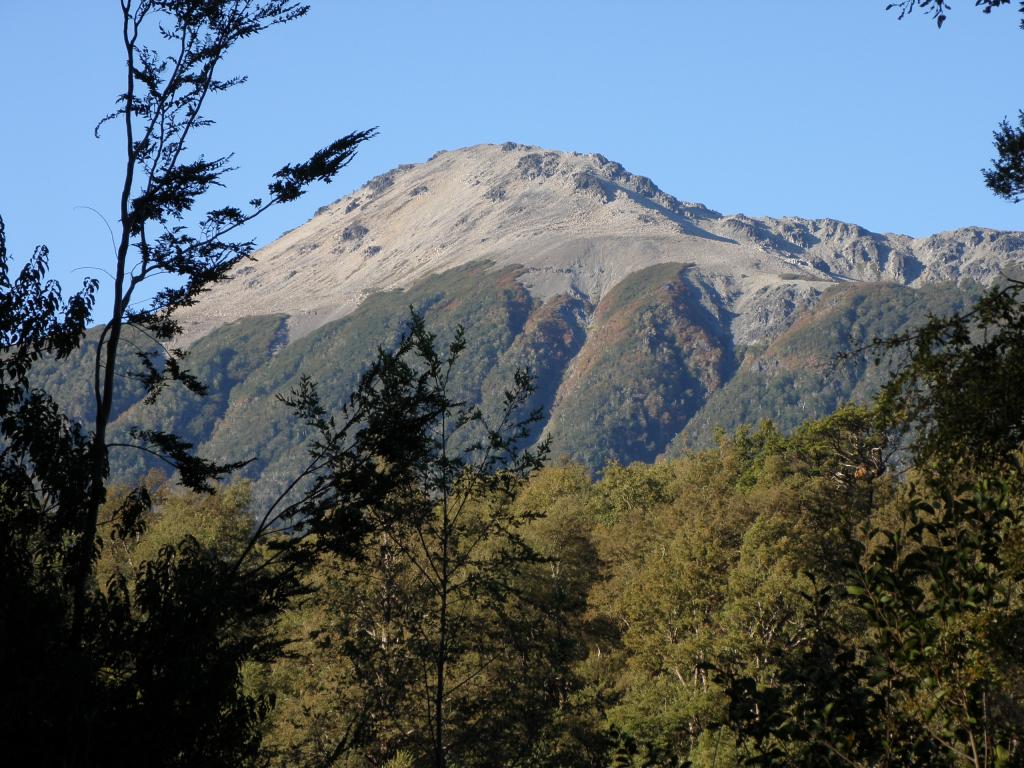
(795, 107)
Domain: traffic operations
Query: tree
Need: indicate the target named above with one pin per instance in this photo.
(959, 395)
(913, 653)
(169, 78)
(1006, 177)
(40, 472)
(158, 669)
(151, 660)
(434, 602)
(710, 578)
(916, 658)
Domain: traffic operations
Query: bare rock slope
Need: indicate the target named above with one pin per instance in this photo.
(576, 225)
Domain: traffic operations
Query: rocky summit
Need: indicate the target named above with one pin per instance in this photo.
(575, 224)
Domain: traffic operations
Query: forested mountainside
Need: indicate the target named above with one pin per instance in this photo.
(652, 369)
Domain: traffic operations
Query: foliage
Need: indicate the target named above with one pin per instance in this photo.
(960, 393)
(939, 8)
(927, 672)
(912, 653)
(149, 662)
(712, 575)
(1006, 177)
(434, 602)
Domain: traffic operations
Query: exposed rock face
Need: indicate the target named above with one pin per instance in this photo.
(766, 312)
(577, 225)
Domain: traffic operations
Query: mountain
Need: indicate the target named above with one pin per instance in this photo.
(647, 321)
(576, 225)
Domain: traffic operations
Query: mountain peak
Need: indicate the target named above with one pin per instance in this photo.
(505, 168)
(576, 224)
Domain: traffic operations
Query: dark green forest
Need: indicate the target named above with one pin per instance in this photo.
(436, 584)
(846, 593)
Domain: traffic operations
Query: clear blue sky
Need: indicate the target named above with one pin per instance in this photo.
(811, 108)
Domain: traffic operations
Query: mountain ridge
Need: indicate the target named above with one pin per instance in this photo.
(576, 224)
